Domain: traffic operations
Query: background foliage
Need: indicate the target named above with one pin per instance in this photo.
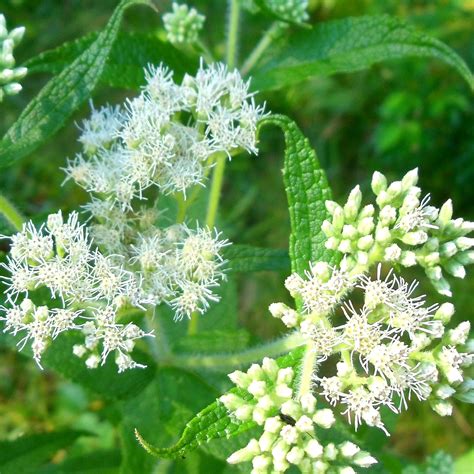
(393, 117)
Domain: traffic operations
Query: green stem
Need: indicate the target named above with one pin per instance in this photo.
(265, 41)
(215, 192)
(307, 370)
(229, 361)
(233, 33)
(159, 346)
(11, 214)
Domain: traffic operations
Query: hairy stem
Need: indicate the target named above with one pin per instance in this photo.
(229, 361)
(307, 369)
(233, 33)
(265, 41)
(159, 346)
(14, 218)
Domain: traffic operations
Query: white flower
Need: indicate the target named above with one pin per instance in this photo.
(183, 24)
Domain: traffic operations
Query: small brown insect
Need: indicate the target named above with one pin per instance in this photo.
(287, 419)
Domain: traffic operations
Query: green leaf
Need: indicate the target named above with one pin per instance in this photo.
(245, 258)
(160, 411)
(463, 465)
(104, 381)
(130, 54)
(349, 45)
(307, 189)
(208, 342)
(61, 96)
(214, 422)
(27, 453)
(96, 462)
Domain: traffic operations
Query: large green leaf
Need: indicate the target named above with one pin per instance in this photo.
(307, 190)
(63, 94)
(27, 453)
(103, 381)
(245, 258)
(348, 45)
(213, 422)
(160, 411)
(130, 54)
(96, 462)
(463, 465)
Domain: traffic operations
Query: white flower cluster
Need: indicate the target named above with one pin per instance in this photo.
(88, 287)
(288, 10)
(290, 425)
(392, 347)
(403, 230)
(168, 136)
(183, 24)
(9, 74)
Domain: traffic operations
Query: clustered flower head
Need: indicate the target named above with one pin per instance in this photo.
(291, 425)
(401, 229)
(168, 137)
(86, 288)
(183, 24)
(391, 348)
(9, 74)
(288, 10)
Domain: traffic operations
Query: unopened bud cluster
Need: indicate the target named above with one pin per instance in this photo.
(168, 137)
(289, 10)
(183, 24)
(393, 347)
(401, 229)
(9, 74)
(290, 422)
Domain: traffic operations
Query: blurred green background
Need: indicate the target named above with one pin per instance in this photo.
(391, 118)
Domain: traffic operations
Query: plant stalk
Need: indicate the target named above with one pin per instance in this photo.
(14, 218)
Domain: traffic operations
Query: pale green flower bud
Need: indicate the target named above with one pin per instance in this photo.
(295, 455)
(393, 253)
(364, 459)
(379, 183)
(241, 379)
(429, 260)
(465, 258)
(16, 35)
(410, 179)
(455, 269)
(434, 273)
(285, 375)
(444, 392)
(12, 88)
(348, 449)
(282, 390)
(345, 246)
(394, 190)
(408, 258)
(231, 401)
(388, 215)
(365, 243)
(459, 334)
(327, 228)
(415, 238)
(332, 243)
(383, 235)
(349, 232)
(442, 286)
(346, 470)
(270, 367)
(183, 24)
(444, 313)
(314, 449)
(257, 388)
(366, 225)
(352, 206)
(442, 407)
(245, 454)
(362, 258)
(330, 452)
(449, 249)
(324, 418)
(308, 402)
(331, 206)
(464, 243)
(266, 440)
(338, 219)
(367, 211)
(445, 213)
(244, 413)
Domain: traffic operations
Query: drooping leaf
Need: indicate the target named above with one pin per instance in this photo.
(213, 422)
(208, 342)
(349, 45)
(160, 411)
(245, 258)
(103, 381)
(129, 55)
(307, 189)
(27, 453)
(63, 94)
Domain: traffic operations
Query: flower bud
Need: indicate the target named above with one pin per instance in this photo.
(348, 449)
(314, 449)
(415, 238)
(379, 183)
(442, 407)
(364, 459)
(445, 213)
(324, 418)
(459, 334)
(245, 454)
(455, 269)
(410, 179)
